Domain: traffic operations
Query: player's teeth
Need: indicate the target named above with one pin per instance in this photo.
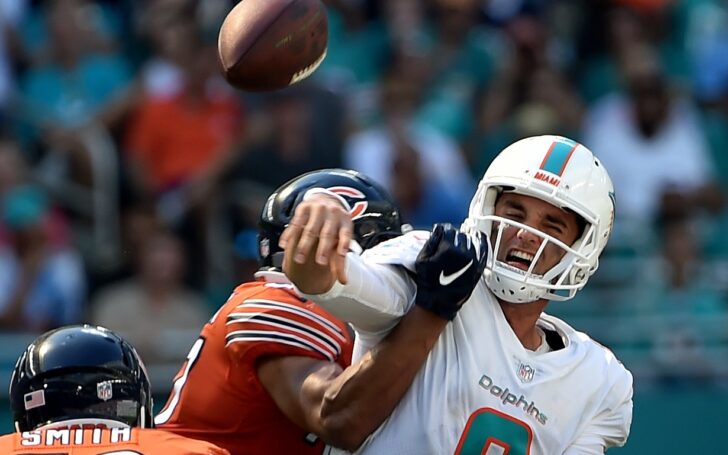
(522, 255)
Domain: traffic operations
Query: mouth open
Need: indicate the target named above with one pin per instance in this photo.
(519, 259)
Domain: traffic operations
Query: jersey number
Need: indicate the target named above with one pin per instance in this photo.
(491, 432)
(179, 383)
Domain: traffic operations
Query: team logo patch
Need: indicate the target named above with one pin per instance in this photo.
(525, 372)
(104, 390)
(357, 208)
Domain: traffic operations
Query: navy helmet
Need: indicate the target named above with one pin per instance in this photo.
(80, 373)
(373, 210)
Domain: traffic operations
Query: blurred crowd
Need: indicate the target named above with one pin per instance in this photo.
(131, 174)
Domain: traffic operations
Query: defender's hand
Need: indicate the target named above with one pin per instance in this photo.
(448, 269)
(316, 242)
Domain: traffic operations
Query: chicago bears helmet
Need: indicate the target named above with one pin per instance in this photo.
(77, 375)
(567, 175)
(373, 211)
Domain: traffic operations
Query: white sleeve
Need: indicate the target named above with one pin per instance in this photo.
(379, 290)
(609, 428)
(374, 299)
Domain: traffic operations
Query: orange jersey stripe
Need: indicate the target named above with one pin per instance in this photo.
(217, 396)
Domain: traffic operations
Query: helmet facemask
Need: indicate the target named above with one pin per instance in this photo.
(515, 285)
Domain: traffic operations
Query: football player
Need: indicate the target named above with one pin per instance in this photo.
(83, 390)
(268, 374)
(504, 377)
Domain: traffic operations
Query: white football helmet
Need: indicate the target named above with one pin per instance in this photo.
(566, 174)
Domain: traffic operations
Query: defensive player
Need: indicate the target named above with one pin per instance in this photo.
(504, 377)
(82, 390)
(269, 374)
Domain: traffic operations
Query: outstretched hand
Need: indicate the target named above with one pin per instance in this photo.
(315, 243)
(448, 268)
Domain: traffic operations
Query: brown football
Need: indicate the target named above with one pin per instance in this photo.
(270, 44)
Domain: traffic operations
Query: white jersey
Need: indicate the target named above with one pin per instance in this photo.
(480, 391)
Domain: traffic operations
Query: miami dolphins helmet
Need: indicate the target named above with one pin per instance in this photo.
(567, 175)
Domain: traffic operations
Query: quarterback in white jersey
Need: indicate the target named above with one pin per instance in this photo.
(504, 377)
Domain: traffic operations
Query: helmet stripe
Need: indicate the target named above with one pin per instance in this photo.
(558, 156)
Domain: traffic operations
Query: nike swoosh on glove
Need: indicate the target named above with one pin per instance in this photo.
(448, 268)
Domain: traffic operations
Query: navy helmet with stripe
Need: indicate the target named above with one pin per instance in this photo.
(80, 374)
(373, 210)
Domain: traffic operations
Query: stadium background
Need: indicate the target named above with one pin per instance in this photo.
(131, 175)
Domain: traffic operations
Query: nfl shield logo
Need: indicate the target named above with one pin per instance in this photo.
(104, 390)
(525, 372)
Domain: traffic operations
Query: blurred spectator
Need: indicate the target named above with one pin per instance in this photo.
(616, 30)
(78, 82)
(529, 95)
(400, 152)
(172, 37)
(650, 140)
(461, 59)
(518, 106)
(14, 172)
(177, 146)
(98, 22)
(152, 302)
(707, 41)
(680, 289)
(354, 57)
(679, 278)
(296, 130)
(42, 284)
(173, 141)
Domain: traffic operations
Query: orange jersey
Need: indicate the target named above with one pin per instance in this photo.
(104, 441)
(217, 396)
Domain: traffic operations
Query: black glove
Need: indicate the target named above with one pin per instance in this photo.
(448, 269)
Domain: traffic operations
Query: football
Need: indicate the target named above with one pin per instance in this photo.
(270, 44)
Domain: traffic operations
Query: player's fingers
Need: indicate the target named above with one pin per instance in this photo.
(327, 241)
(310, 235)
(293, 231)
(338, 261)
(346, 234)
